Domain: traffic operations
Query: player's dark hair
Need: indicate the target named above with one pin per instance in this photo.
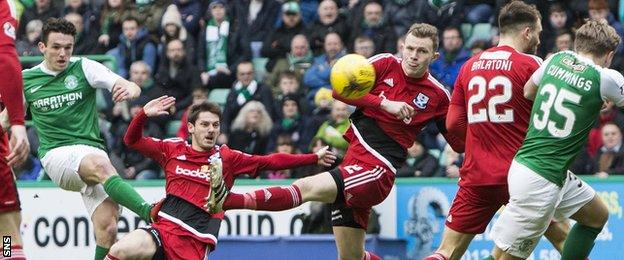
(516, 16)
(205, 106)
(423, 30)
(59, 25)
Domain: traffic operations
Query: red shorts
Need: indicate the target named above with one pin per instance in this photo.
(9, 200)
(363, 182)
(474, 207)
(179, 243)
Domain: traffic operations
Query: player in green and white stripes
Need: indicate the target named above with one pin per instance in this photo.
(60, 94)
(569, 90)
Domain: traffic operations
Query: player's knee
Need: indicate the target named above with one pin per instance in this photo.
(119, 251)
(106, 231)
(98, 168)
(351, 254)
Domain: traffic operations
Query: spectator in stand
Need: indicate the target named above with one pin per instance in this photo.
(176, 77)
(557, 21)
(452, 56)
(375, 26)
(329, 20)
(331, 131)
(172, 28)
(477, 47)
(250, 129)
(136, 166)
(364, 46)
(479, 11)
(277, 43)
(245, 89)
(291, 123)
(564, 41)
(599, 10)
(401, 14)
(419, 163)
(134, 44)
(27, 46)
(610, 157)
(200, 95)
(141, 74)
(609, 113)
(440, 14)
(297, 61)
(322, 108)
(399, 46)
(150, 13)
(85, 42)
(111, 18)
(213, 52)
(288, 85)
(41, 10)
(317, 76)
(253, 20)
(88, 13)
(191, 12)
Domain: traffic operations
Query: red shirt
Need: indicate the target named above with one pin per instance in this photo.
(11, 85)
(182, 163)
(426, 95)
(489, 92)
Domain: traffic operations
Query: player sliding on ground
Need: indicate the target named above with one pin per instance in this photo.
(489, 110)
(183, 229)
(569, 90)
(404, 99)
(60, 94)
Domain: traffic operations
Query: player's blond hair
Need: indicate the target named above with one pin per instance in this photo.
(597, 38)
(516, 16)
(423, 30)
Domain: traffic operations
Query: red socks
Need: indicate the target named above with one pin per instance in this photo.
(435, 256)
(269, 199)
(371, 256)
(110, 257)
(17, 253)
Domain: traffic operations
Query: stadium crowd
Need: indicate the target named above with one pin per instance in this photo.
(267, 63)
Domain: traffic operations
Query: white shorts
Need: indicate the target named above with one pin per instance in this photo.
(533, 203)
(62, 164)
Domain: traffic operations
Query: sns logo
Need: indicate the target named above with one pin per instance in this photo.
(192, 173)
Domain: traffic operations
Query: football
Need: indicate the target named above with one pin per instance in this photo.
(352, 76)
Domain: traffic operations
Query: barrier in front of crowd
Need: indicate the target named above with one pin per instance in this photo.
(55, 221)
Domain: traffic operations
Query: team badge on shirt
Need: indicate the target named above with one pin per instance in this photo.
(421, 101)
(71, 82)
(9, 30)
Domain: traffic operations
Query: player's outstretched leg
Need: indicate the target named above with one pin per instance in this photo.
(591, 218)
(350, 242)
(320, 187)
(453, 245)
(104, 220)
(96, 168)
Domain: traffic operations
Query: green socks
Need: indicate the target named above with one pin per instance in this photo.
(580, 242)
(100, 252)
(122, 193)
(490, 257)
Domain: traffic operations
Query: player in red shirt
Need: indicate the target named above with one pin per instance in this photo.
(183, 229)
(489, 110)
(11, 88)
(404, 99)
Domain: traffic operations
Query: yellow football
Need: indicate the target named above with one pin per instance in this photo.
(352, 76)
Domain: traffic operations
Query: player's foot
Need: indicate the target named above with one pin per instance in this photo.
(218, 189)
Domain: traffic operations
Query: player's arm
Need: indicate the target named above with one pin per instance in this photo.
(457, 117)
(530, 90)
(612, 87)
(99, 76)
(531, 86)
(253, 164)
(134, 136)
(455, 140)
(12, 97)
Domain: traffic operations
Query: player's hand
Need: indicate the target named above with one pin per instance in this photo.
(400, 110)
(159, 107)
(19, 146)
(325, 157)
(123, 92)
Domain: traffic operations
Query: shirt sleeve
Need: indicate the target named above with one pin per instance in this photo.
(539, 73)
(612, 87)
(150, 147)
(98, 75)
(254, 164)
